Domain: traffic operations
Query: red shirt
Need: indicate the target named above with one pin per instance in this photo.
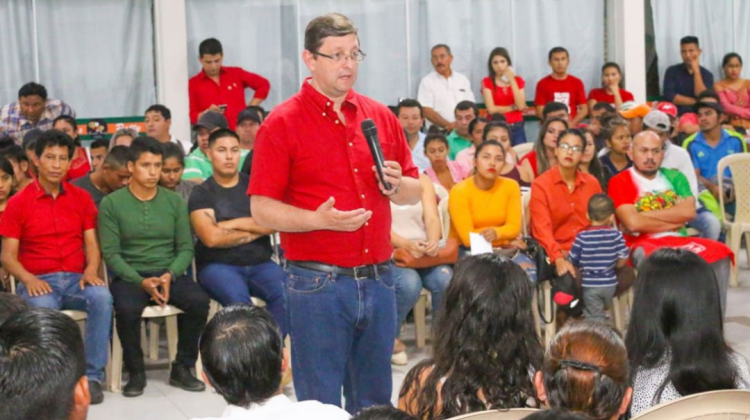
(601, 95)
(503, 96)
(230, 91)
(304, 154)
(568, 91)
(531, 157)
(79, 166)
(49, 231)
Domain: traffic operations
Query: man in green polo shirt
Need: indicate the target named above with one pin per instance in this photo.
(197, 166)
(145, 237)
(459, 139)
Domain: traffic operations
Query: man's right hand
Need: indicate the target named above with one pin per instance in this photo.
(329, 218)
(212, 108)
(37, 287)
(151, 286)
(450, 127)
(563, 266)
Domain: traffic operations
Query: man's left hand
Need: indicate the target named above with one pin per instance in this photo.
(90, 278)
(392, 175)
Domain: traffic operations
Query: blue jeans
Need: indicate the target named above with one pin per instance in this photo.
(409, 283)
(342, 332)
(228, 284)
(707, 224)
(96, 301)
(517, 134)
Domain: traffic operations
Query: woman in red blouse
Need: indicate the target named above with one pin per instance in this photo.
(79, 165)
(503, 93)
(611, 90)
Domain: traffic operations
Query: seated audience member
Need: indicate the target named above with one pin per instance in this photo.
(671, 110)
(500, 132)
(634, 113)
(43, 367)
(556, 414)
(562, 87)
(148, 247)
(543, 156)
(244, 359)
(32, 110)
(618, 139)
(11, 304)
(684, 81)
(382, 412)
(503, 93)
(98, 151)
(233, 253)
(441, 90)
(675, 339)
(123, 137)
(20, 162)
(460, 139)
(611, 91)
(29, 145)
(418, 230)
(79, 163)
(664, 194)
(476, 129)
(597, 110)
(172, 168)
(597, 252)
(675, 157)
(197, 166)
(112, 175)
(248, 124)
(6, 190)
(590, 163)
(411, 116)
(586, 371)
(734, 91)
(158, 121)
(442, 170)
(484, 345)
(555, 110)
(50, 247)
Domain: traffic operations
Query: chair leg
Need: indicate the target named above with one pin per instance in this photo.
(535, 311)
(420, 321)
(734, 238)
(144, 337)
(171, 322)
(153, 340)
(115, 362)
(747, 249)
(549, 313)
(199, 368)
(617, 313)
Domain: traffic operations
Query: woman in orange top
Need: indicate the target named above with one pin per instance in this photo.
(79, 163)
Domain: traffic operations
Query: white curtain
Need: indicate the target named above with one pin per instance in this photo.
(17, 55)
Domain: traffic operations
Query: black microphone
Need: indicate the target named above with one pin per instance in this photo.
(371, 134)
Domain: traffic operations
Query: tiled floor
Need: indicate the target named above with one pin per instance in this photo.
(163, 402)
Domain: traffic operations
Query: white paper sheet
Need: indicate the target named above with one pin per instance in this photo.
(479, 245)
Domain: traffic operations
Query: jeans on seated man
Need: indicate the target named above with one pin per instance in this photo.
(233, 252)
(653, 204)
(50, 247)
(148, 247)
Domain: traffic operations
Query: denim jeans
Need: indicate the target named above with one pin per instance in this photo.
(707, 224)
(595, 299)
(96, 301)
(228, 284)
(409, 283)
(342, 332)
(517, 134)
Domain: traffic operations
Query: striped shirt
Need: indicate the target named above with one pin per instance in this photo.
(14, 124)
(596, 251)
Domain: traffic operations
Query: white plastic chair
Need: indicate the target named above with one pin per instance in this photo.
(523, 149)
(512, 414)
(739, 165)
(714, 405)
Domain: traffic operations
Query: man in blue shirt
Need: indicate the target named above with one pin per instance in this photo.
(411, 116)
(684, 81)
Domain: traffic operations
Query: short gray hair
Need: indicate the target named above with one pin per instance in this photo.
(331, 24)
(120, 133)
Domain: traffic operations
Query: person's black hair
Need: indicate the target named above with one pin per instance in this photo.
(15, 153)
(600, 207)
(11, 304)
(144, 144)
(161, 109)
(575, 132)
(382, 412)
(493, 125)
(556, 50)
(6, 166)
(487, 143)
(241, 349)
(610, 126)
(51, 138)
(484, 343)
(677, 312)
(220, 134)
(98, 143)
(498, 51)
(72, 123)
(553, 107)
(259, 109)
(466, 105)
(613, 65)
(596, 168)
(171, 150)
(498, 117)
(41, 360)
(556, 414)
(476, 121)
(118, 157)
(30, 138)
(435, 136)
(447, 48)
(728, 57)
(210, 46)
(410, 103)
(690, 39)
(605, 106)
(707, 93)
(32, 88)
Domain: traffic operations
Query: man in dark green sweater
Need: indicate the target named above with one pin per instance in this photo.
(147, 245)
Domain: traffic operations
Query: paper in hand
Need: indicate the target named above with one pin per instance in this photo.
(479, 245)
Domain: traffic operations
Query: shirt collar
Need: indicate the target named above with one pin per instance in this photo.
(322, 101)
(39, 191)
(557, 177)
(205, 76)
(233, 411)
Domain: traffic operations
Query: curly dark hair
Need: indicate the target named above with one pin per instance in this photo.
(485, 346)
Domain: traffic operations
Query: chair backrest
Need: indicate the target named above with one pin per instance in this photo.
(445, 217)
(714, 405)
(440, 191)
(739, 165)
(512, 414)
(525, 214)
(523, 149)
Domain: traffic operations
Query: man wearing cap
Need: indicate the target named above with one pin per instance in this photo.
(197, 166)
(682, 82)
(248, 123)
(634, 113)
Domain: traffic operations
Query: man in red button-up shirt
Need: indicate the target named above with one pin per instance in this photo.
(222, 89)
(313, 180)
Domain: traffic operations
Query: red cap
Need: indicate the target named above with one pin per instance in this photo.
(668, 108)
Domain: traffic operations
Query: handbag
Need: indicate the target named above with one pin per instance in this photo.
(446, 255)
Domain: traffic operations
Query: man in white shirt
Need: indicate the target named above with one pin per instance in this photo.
(158, 121)
(243, 360)
(411, 116)
(441, 90)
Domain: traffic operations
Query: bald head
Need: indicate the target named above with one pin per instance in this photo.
(647, 153)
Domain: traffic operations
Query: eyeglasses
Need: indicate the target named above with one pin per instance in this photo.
(339, 57)
(574, 149)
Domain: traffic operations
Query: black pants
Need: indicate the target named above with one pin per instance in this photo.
(130, 300)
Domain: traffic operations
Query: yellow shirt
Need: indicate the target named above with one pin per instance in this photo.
(474, 210)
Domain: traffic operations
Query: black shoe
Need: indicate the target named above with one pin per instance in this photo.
(95, 390)
(181, 377)
(135, 385)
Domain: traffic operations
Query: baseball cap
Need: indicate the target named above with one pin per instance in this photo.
(250, 114)
(688, 119)
(705, 104)
(211, 120)
(657, 120)
(630, 110)
(668, 108)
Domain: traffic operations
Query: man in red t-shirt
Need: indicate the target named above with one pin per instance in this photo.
(222, 89)
(314, 181)
(562, 87)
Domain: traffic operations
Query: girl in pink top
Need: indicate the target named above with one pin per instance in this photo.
(442, 170)
(734, 92)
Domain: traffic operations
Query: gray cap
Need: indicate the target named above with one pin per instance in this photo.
(211, 120)
(250, 114)
(658, 121)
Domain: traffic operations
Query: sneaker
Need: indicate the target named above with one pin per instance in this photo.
(400, 358)
(95, 390)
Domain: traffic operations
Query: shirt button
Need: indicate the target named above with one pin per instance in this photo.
(328, 104)
(351, 144)
(363, 196)
(367, 223)
(337, 121)
(324, 114)
(355, 170)
(366, 251)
